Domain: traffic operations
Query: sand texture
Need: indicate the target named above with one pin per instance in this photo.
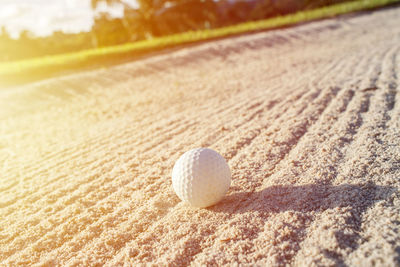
(308, 119)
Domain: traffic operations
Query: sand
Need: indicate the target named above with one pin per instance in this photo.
(308, 119)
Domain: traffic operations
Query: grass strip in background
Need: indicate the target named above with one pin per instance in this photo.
(37, 68)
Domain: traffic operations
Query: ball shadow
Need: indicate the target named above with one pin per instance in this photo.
(304, 198)
(356, 198)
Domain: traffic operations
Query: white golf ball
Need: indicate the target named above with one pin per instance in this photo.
(201, 177)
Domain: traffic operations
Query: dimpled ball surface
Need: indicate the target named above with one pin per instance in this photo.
(201, 177)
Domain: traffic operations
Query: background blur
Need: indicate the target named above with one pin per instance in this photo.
(34, 28)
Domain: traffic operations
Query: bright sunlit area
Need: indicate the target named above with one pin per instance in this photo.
(42, 18)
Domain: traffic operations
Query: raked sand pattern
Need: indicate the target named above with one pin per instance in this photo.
(308, 119)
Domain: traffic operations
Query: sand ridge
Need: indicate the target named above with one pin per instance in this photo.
(307, 118)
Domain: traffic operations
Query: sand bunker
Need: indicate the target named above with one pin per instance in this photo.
(308, 119)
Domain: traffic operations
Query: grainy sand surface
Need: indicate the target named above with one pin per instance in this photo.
(308, 119)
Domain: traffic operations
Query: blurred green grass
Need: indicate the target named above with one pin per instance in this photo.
(31, 69)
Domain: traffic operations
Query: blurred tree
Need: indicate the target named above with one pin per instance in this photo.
(136, 22)
(182, 16)
(4, 35)
(287, 6)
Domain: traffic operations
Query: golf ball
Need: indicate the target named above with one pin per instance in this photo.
(201, 177)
